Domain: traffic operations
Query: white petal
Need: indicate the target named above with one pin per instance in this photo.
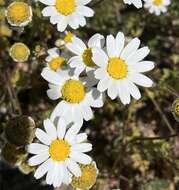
(61, 128)
(83, 2)
(137, 3)
(85, 11)
(100, 73)
(99, 57)
(62, 24)
(53, 52)
(48, 2)
(83, 147)
(87, 112)
(142, 66)
(141, 80)
(124, 94)
(81, 137)
(72, 131)
(38, 159)
(73, 167)
(80, 157)
(66, 175)
(36, 148)
(54, 19)
(50, 174)
(49, 11)
(73, 21)
(75, 61)
(77, 46)
(97, 98)
(51, 76)
(120, 40)
(95, 40)
(111, 46)
(59, 110)
(77, 114)
(43, 168)
(58, 177)
(53, 93)
(138, 55)
(42, 136)
(81, 20)
(133, 90)
(50, 129)
(132, 46)
(112, 90)
(103, 84)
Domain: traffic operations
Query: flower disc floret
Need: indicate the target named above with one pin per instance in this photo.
(117, 68)
(65, 7)
(87, 57)
(59, 150)
(73, 91)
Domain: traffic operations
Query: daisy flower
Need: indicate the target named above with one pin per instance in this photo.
(83, 59)
(54, 60)
(136, 3)
(157, 6)
(67, 12)
(121, 68)
(59, 153)
(19, 14)
(76, 93)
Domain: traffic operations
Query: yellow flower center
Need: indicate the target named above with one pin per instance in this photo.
(88, 177)
(59, 150)
(117, 68)
(65, 7)
(87, 58)
(19, 52)
(158, 2)
(68, 37)
(73, 91)
(18, 12)
(56, 63)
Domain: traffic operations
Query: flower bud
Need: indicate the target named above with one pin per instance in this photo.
(20, 130)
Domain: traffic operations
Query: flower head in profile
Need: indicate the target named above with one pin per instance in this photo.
(19, 14)
(88, 177)
(121, 68)
(175, 109)
(136, 3)
(19, 52)
(77, 95)
(68, 37)
(59, 153)
(67, 12)
(157, 6)
(54, 60)
(83, 59)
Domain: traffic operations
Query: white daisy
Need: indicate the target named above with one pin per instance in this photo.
(60, 152)
(67, 12)
(157, 6)
(136, 3)
(76, 93)
(83, 59)
(121, 68)
(54, 59)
